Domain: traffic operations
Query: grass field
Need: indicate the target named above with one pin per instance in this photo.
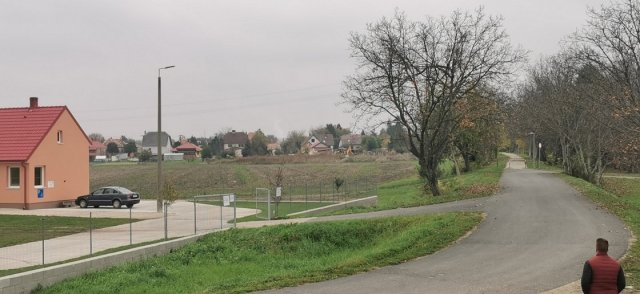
(621, 197)
(19, 229)
(238, 261)
(242, 177)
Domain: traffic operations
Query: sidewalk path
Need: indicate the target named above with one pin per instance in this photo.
(537, 234)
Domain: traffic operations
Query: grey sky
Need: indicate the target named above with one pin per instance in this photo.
(243, 65)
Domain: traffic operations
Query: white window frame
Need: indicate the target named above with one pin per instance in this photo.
(9, 177)
(60, 137)
(41, 177)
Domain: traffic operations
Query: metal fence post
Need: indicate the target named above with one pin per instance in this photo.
(234, 210)
(90, 234)
(290, 200)
(221, 206)
(195, 217)
(166, 230)
(130, 228)
(42, 231)
(306, 194)
(269, 205)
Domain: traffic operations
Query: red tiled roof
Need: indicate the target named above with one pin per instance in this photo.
(22, 129)
(95, 145)
(188, 146)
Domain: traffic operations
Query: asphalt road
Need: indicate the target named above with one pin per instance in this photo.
(536, 237)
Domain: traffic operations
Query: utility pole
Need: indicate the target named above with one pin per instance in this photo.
(159, 154)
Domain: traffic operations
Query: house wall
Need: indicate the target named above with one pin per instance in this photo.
(11, 197)
(154, 149)
(66, 165)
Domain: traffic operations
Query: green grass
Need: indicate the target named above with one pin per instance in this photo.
(409, 192)
(19, 229)
(622, 198)
(238, 261)
(533, 164)
(284, 208)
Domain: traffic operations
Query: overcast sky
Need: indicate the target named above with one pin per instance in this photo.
(243, 65)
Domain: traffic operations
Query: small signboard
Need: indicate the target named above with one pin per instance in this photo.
(278, 192)
(40, 193)
(226, 200)
(50, 184)
(232, 197)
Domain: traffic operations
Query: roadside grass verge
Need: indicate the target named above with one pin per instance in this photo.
(409, 192)
(244, 260)
(625, 205)
(20, 229)
(533, 164)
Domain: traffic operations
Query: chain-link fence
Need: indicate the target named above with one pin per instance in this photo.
(31, 241)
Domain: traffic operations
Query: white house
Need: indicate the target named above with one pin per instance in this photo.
(150, 142)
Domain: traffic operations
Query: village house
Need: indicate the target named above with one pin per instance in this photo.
(235, 142)
(350, 143)
(150, 143)
(319, 144)
(189, 150)
(44, 157)
(97, 149)
(116, 141)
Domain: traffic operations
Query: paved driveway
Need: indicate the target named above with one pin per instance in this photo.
(536, 236)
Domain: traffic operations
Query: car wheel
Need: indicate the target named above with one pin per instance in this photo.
(83, 203)
(129, 205)
(117, 203)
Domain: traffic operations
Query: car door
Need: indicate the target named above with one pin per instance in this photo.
(94, 197)
(107, 196)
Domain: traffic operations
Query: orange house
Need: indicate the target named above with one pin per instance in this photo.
(44, 156)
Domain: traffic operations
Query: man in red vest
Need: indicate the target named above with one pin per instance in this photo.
(602, 274)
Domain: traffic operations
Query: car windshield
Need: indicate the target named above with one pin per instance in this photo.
(123, 190)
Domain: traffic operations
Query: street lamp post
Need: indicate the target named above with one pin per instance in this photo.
(539, 148)
(159, 135)
(532, 145)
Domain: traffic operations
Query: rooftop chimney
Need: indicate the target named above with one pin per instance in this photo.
(33, 102)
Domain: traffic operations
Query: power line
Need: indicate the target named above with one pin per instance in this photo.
(214, 100)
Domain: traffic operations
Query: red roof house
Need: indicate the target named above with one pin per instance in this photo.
(189, 150)
(96, 148)
(44, 156)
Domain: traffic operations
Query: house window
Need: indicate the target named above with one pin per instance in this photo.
(38, 176)
(59, 137)
(14, 177)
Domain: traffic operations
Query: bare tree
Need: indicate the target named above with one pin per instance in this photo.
(96, 137)
(416, 72)
(563, 99)
(611, 41)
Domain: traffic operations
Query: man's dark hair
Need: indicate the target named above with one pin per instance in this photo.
(602, 245)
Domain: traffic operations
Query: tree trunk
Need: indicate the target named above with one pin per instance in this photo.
(429, 172)
(467, 162)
